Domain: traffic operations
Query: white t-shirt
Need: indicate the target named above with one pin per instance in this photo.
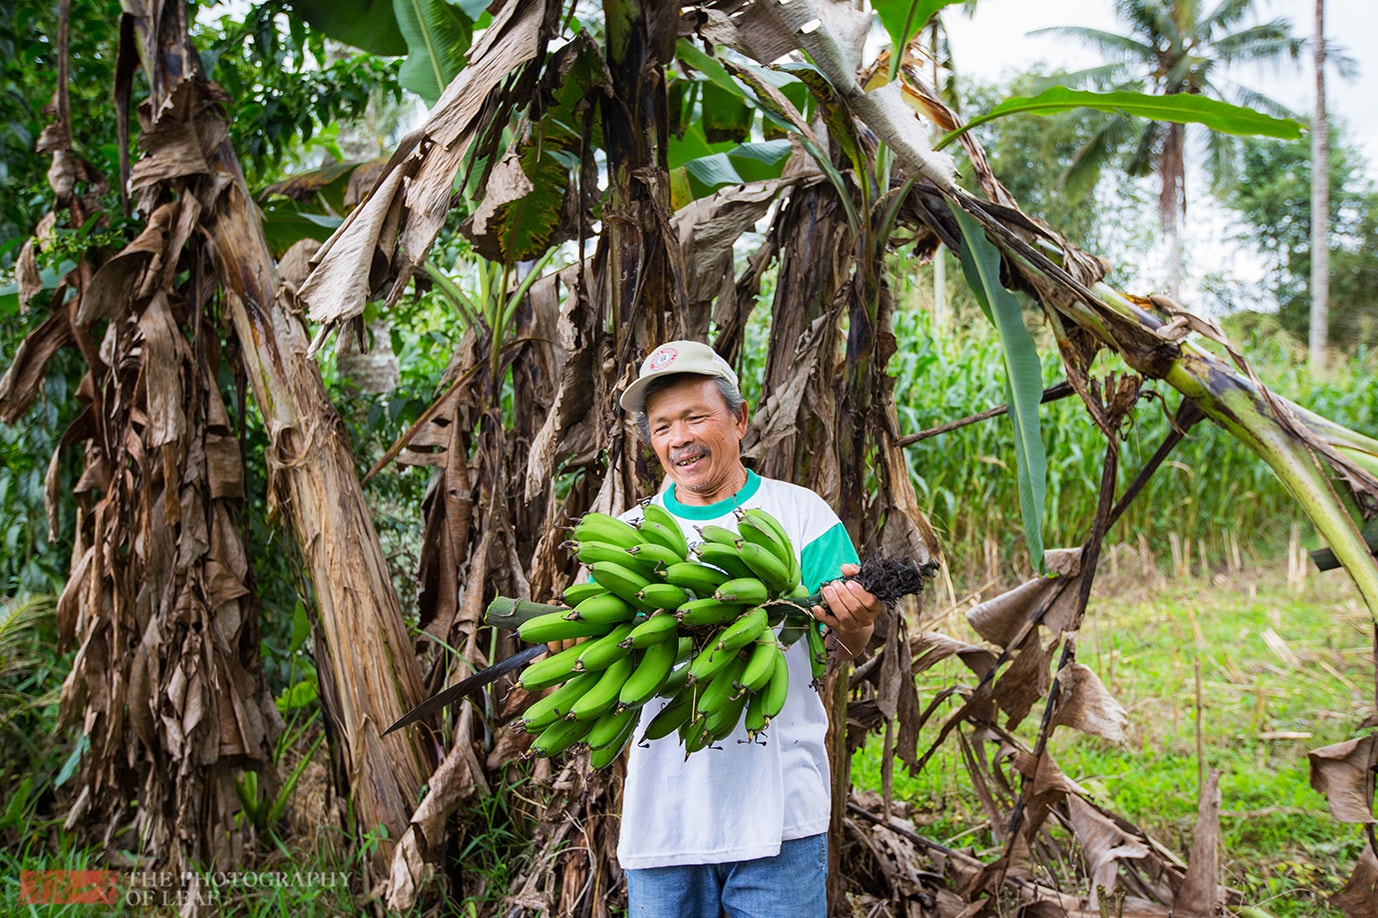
(738, 800)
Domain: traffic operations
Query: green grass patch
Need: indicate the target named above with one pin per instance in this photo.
(1282, 671)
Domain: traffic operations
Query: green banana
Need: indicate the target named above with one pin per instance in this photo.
(663, 595)
(550, 670)
(695, 736)
(559, 736)
(724, 557)
(611, 725)
(672, 716)
(600, 527)
(700, 579)
(655, 513)
(771, 571)
(545, 711)
(761, 663)
(720, 535)
(654, 556)
(708, 611)
(669, 538)
(603, 694)
(722, 723)
(603, 652)
(746, 590)
(762, 520)
(555, 626)
(678, 679)
(594, 552)
(708, 662)
(576, 593)
(743, 631)
(777, 689)
(661, 626)
(621, 580)
(721, 688)
(603, 756)
(605, 608)
(755, 720)
(818, 651)
(652, 669)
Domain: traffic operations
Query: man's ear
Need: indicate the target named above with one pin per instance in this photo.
(743, 420)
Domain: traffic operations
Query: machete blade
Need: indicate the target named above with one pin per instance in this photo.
(467, 686)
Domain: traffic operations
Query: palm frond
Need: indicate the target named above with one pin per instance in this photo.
(1265, 42)
(1104, 41)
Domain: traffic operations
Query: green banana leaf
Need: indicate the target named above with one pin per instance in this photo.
(438, 36)
(1179, 108)
(1023, 379)
(904, 18)
(748, 162)
(285, 222)
(370, 25)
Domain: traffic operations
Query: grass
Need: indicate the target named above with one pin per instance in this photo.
(1282, 671)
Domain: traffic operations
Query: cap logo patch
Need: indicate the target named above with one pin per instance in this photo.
(661, 359)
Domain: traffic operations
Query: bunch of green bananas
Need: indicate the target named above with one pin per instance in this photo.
(695, 626)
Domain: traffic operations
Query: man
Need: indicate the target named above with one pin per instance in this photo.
(741, 827)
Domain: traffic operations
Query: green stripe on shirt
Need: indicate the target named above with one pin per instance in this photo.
(822, 559)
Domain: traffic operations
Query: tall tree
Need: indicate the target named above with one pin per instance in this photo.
(1171, 47)
(1320, 203)
(1272, 196)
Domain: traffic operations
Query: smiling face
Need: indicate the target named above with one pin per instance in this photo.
(697, 439)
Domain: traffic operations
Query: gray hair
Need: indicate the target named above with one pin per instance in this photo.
(731, 397)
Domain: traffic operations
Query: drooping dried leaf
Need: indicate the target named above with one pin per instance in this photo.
(930, 648)
(1359, 897)
(1344, 773)
(1103, 845)
(409, 205)
(24, 376)
(1004, 618)
(1083, 703)
(1026, 680)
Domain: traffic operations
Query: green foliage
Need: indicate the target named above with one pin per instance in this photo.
(1274, 199)
(31, 673)
(29, 562)
(284, 86)
(1034, 159)
(438, 35)
(1174, 48)
(1023, 388)
(28, 78)
(903, 19)
(1213, 495)
(369, 25)
(1179, 108)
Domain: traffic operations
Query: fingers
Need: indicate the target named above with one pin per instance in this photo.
(849, 605)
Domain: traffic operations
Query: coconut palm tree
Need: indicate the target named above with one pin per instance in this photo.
(1170, 47)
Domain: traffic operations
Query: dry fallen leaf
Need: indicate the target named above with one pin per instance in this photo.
(1343, 772)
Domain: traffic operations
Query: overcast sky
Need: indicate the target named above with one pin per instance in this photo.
(996, 43)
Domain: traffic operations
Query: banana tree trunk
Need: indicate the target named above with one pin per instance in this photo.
(367, 664)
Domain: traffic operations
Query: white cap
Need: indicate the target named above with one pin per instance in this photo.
(673, 358)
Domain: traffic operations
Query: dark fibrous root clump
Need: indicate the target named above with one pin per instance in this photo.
(891, 579)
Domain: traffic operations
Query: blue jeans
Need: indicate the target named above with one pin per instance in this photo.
(793, 884)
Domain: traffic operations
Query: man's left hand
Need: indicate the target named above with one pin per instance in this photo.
(850, 613)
